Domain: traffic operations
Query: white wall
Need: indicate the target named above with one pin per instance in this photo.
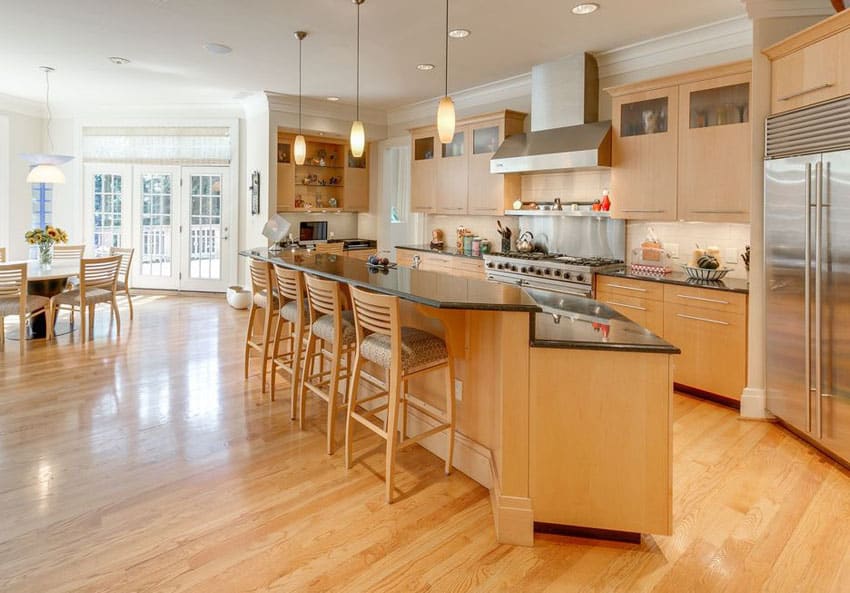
(24, 136)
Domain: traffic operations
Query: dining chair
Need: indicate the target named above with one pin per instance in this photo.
(14, 300)
(123, 285)
(2, 254)
(98, 279)
(68, 253)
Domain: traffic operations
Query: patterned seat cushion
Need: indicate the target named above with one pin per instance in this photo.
(418, 349)
(93, 295)
(290, 312)
(261, 297)
(323, 328)
(120, 285)
(10, 305)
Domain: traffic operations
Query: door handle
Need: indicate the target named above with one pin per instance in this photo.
(807, 300)
(819, 87)
(818, 292)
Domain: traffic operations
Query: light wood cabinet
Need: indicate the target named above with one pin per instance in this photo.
(640, 301)
(682, 147)
(465, 267)
(330, 179)
(812, 65)
(335, 248)
(423, 170)
(715, 158)
(455, 178)
(363, 254)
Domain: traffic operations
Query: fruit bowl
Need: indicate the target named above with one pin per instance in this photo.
(705, 273)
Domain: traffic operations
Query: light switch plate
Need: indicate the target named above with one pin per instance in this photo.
(672, 249)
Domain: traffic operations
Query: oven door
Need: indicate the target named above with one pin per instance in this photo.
(583, 290)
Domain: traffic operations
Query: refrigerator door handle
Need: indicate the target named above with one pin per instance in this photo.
(818, 291)
(807, 287)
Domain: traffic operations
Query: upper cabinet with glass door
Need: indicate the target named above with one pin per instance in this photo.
(492, 193)
(423, 170)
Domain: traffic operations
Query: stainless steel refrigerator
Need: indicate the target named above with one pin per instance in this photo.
(807, 261)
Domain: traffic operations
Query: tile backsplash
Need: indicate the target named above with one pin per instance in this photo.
(483, 226)
(683, 237)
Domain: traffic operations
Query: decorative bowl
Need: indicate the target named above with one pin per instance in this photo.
(705, 273)
(238, 297)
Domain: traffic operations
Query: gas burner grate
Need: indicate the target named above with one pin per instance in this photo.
(534, 255)
(592, 262)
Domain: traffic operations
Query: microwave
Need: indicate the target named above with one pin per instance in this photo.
(312, 232)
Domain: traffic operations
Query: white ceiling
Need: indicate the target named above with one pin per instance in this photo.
(164, 39)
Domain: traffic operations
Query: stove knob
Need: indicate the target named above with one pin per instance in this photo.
(580, 278)
(513, 268)
(524, 270)
(558, 273)
(566, 275)
(530, 269)
(539, 272)
(490, 264)
(547, 271)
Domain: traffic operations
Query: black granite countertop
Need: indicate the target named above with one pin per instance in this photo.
(447, 250)
(680, 278)
(577, 322)
(557, 320)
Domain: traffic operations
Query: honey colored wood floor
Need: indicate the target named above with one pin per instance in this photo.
(146, 463)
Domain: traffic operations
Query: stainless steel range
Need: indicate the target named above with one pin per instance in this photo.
(553, 272)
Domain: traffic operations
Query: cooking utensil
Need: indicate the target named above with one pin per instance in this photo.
(525, 243)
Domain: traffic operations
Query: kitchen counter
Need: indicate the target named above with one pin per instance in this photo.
(447, 250)
(680, 278)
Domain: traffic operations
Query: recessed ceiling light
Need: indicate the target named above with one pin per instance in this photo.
(459, 33)
(118, 60)
(585, 8)
(218, 49)
(333, 99)
(425, 67)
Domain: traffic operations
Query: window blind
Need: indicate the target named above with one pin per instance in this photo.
(157, 145)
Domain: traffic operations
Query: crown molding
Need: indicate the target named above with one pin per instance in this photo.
(323, 108)
(726, 35)
(22, 106)
(766, 9)
(499, 91)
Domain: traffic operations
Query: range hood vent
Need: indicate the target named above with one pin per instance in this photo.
(565, 133)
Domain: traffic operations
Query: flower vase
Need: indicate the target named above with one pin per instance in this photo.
(45, 254)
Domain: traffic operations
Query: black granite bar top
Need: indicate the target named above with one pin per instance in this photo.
(571, 321)
(557, 320)
(434, 289)
(447, 250)
(680, 278)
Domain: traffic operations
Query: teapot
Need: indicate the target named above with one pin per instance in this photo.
(525, 243)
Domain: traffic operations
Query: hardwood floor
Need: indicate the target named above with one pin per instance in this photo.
(146, 463)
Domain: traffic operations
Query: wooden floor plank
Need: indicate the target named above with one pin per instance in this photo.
(146, 463)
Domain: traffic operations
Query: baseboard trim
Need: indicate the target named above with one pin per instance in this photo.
(754, 404)
(729, 402)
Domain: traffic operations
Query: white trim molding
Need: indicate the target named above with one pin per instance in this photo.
(323, 108)
(22, 106)
(766, 9)
(730, 34)
(754, 404)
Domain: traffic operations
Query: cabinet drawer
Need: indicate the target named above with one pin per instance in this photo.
(404, 257)
(714, 348)
(706, 298)
(643, 311)
(628, 287)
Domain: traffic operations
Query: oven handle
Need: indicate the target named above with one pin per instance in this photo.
(563, 290)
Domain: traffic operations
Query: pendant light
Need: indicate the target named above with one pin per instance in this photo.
(446, 110)
(358, 133)
(299, 150)
(46, 166)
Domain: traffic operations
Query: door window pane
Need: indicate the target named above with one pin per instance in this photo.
(107, 210)
(156, 225)
(205, 231)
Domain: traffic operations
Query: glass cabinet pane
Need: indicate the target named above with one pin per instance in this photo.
(485, 140)
(423, 148)
(283, 152)
(720, 106)
(455, 147)
(643, 117)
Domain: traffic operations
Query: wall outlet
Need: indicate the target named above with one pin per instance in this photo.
(731, 255)
(459, 390)
(672, 249)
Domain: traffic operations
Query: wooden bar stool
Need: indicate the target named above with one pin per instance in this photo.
(290, 331)
(262, 297)
(405, 352)
(331, 336)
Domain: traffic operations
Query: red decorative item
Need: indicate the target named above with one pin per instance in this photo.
(606, 202)
(839, 5)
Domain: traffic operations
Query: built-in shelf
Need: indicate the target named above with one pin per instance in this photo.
(321, 166)
(564, 212)
(326, 186)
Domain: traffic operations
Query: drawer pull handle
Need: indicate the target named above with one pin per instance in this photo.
(819, 87)
(703, 299)
(626, 306)
(719, 211)
(683, 316)
(610, 285)
(641, 210)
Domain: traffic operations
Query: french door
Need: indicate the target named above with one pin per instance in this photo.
(177, 218)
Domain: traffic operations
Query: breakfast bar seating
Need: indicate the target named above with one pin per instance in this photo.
(262, 299)
(289, 332)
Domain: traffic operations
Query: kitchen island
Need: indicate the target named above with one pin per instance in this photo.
(564, 411)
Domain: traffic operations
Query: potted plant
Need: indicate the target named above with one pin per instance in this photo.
(45, 239)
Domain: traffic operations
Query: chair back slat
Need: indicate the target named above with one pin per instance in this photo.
(2, 254)
(68, 253)
(375, 313)
(13, 280)
(290, 284)
(259, 276)
(126, 254)
(323, 297)
(99, 272)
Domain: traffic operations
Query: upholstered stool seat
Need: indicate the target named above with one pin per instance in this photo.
(323, 328)
(289, 312)
(290, 332)
(93, 295)
(418, 349)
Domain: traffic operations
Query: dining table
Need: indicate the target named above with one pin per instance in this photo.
(47, 281)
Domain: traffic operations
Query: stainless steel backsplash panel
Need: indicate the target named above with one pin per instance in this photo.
(580, 236)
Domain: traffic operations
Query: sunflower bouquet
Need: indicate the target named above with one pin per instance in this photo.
(44, 239)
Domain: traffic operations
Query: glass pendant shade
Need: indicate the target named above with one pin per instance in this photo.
(299, 151)
(46, 174)
(358, 139)
(446, 120)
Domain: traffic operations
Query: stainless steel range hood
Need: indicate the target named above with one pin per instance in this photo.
(565, 133)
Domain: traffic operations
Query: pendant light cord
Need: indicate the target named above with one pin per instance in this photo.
(447, 48)
(299, 86)
(358, 63)
(47, 104)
